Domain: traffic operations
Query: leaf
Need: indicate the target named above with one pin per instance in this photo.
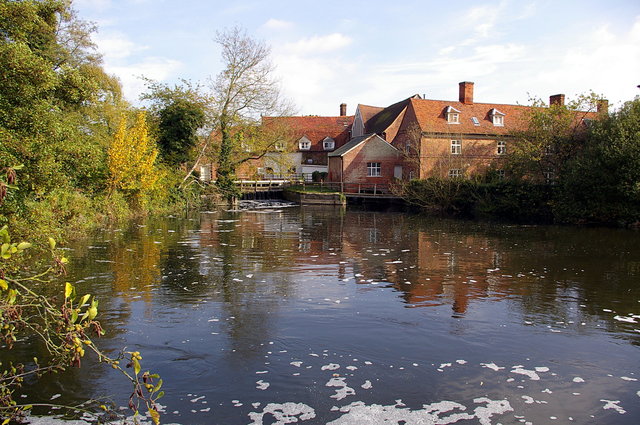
(23, 245)
(3, 249)
(93, 312)
(74, 316)
(155, 416)
(68, 290)
(158, 386)
(160, 395)
(4, 234)
(4, 285)
(136, 365)
(84, 299)
(52, 243)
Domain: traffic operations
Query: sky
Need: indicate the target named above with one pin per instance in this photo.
(380, 52)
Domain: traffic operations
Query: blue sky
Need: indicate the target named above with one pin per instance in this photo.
(378, 53)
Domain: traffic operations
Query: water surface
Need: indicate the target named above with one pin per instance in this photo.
(349, 317)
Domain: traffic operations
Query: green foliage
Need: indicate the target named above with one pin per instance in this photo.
(62, 329)
(550, 137)
(602, 184)
(178, 113)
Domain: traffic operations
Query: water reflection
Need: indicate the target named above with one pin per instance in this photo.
(224, 300)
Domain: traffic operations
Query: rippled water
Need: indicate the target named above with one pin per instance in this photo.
(354, 317)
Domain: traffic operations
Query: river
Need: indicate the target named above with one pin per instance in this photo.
(325, 315)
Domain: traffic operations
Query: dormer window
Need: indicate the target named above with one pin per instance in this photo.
(453, 115)
(328, 144)
(304, 144)
(497, 117)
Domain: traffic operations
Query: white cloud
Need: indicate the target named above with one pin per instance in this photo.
(318, 44)
(277, 24)
(156, 68)
(115, 46)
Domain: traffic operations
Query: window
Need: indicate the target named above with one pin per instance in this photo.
(456, 147)
(497, 117)
(501, 174)
(304, 144)
(328, 143)
(475, 120)
(453, 115)
(455, 173)
(374, 169)
(502, 147)
(279, 146)
(549, 177)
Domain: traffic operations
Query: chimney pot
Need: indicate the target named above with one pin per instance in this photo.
(343, 109)
(556, 99)
(466, 92)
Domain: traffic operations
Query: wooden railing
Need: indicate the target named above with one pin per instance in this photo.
(277, 183)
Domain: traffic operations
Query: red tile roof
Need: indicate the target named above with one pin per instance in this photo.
(316, 129)
(431, 116)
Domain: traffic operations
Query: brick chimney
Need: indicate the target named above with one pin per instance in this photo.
(602, 106)
(343, 109)
(556, 99)
(466, 93)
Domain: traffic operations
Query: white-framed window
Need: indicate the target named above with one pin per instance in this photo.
(502, 147)
(456, 147)
(497, 117)
(501, 174)
(328, 144)
(411, 175)
(374, 169)
(304, 144)
(279, 146)
(475, 121)
(455, 173)
(453, 115)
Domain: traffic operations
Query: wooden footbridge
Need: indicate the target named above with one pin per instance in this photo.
(258, 188)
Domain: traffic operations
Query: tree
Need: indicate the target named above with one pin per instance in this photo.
(602, 183)
(550, 137)
(131, 160)
(178, 113)
(244, 91)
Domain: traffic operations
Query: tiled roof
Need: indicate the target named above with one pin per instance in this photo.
(352, 144)
(381, 121)
(431, 117)
(316, 129)
(367, 111)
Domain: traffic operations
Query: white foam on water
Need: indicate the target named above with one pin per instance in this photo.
(613, 404)
(284, 413)
(626, 378)
(296, 364)
(261, 385)
(530, 373)
(330, 366)
(367, 385)
(342, 389)
(492, 366)
(625, 319)
(578, 379)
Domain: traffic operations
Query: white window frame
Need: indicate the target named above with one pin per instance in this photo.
(501, 174)
(279, 146)
(497, 118)
(501, 148)
(455, 173)
(456, 147)
(328, 144)
(453, 115)
(374, 169)
(304, 145)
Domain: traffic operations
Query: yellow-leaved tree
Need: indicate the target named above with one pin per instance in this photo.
(131, 159)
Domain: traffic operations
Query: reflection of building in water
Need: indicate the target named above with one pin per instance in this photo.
(429, 268)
